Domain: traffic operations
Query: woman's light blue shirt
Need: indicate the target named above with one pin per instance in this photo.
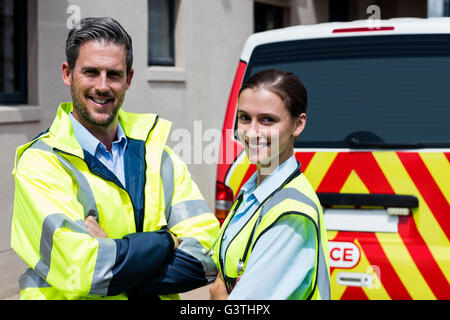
(113, 160)
(282, 262)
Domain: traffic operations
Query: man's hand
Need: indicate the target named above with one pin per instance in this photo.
(94, 228)
(175, 240)
(218, 290)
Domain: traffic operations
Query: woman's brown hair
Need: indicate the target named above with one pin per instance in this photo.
(284, 84)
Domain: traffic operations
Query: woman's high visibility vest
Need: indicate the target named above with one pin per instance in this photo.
(56, 190)
(295, 198)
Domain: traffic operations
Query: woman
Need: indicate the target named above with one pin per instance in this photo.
(273, 243)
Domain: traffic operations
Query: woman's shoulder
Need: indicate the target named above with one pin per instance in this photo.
(302, 184)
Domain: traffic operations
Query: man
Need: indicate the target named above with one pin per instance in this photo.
(103, 208)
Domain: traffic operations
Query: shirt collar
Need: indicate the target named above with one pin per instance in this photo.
(272, 182)
(121, 138)
(88, 141)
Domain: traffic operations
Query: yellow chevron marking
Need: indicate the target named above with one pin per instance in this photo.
(404, 266)
(439, 168)
(427, 225)
(336, 290)
(331, 235)
(239, 174)
(318, 167)
(353, 184)
(377, 291)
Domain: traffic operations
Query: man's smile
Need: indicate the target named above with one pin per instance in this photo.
(101, 102)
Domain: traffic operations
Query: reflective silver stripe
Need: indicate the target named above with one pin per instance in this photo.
(106, 252)
(167, 177)
(30, 279)
(49, 226)
(224, 205)
(84, 195)
(323, 278)
(194, 248)
(181, 211)
(106, 258)
(288, 193)
(187, 209)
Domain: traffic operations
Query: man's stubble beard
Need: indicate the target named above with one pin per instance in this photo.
(83, 111)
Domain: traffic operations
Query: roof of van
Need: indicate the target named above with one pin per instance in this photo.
(346, 29)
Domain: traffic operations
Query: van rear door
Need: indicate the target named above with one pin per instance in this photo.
(376, 148)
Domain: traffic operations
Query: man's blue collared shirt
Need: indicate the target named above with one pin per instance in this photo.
(113, 160)
(280, 264)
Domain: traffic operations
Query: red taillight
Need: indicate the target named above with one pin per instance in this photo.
(362, 29)
(224, 201)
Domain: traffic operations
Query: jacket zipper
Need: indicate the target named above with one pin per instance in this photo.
(142, 218)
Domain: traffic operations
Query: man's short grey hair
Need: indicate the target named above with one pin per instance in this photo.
(100, 29)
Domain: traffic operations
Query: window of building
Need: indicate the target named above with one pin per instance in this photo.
(267, 17)
(446, 8)
(338, 10)
(13, 52)
(161, 32)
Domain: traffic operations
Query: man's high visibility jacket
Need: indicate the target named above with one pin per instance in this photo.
(295, 198)
(58, 184)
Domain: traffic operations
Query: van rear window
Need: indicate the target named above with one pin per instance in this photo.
(370, 91)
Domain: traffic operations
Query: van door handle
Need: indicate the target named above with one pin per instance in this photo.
(363, 199)
(355, 279)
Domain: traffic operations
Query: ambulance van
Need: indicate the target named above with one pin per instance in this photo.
(376, 148)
